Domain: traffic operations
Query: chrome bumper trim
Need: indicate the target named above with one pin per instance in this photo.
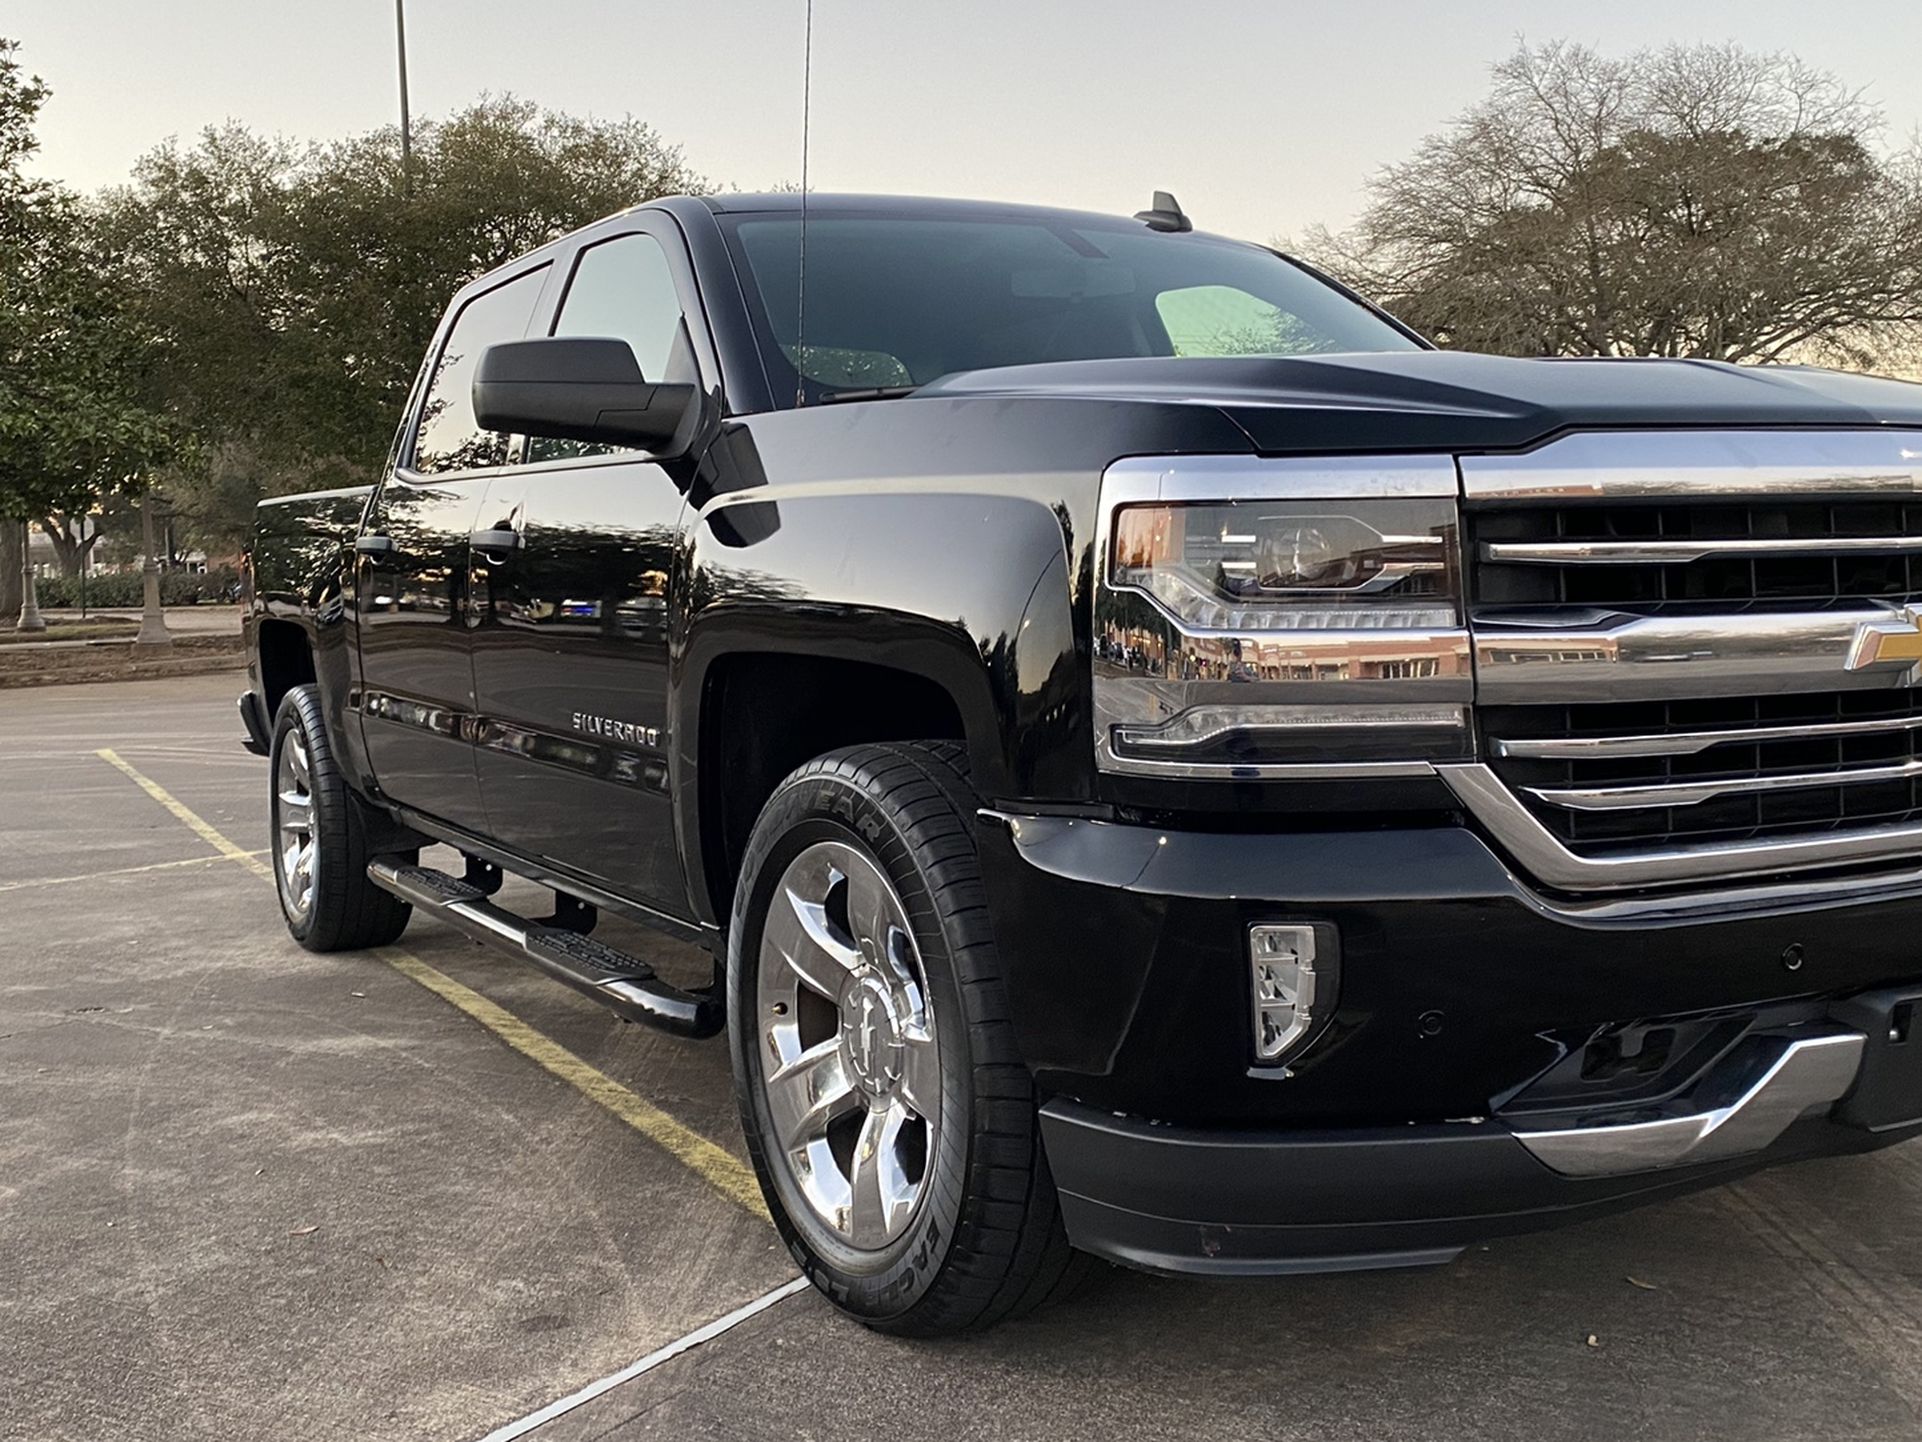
(1808, 1074)
(1540, 853)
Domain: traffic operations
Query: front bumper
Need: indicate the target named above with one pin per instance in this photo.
(1441, 1103)
(1196, 1201)
(1183, 1200)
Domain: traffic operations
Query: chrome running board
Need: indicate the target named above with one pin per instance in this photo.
(1798, 1077)
(622, 983)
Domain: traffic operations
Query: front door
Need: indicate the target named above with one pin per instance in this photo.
(414, 590)
(570, 656)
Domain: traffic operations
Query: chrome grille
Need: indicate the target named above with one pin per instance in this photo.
(1611, 776)
(1685, 558)
(1698, 647)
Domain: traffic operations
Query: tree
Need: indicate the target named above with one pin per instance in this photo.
(1697, 201)
(298, 287)
(79, 416)
(21, 96)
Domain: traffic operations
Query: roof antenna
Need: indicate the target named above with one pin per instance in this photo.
(801, 269)
(1164, 214)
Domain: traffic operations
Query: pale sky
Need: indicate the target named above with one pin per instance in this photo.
(1261, 117)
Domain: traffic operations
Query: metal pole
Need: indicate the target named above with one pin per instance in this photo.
(406, 126)
(30, 617)
(153, 623)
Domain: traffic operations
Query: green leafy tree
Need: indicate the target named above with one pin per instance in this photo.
(21, 96)
(79, 416)
(1698, 201)
(297, 287)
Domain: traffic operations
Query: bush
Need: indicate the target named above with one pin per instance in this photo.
(177, 588)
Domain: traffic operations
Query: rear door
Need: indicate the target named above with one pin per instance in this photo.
(571, 654)
(414, 591)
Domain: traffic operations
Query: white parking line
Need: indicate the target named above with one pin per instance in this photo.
(127, 871)
(647, 1364)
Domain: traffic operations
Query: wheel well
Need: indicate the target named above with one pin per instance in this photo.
(762, 716)
(286, 661)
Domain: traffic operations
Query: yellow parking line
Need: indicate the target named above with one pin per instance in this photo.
(714, 1165)
(126, 871)
(187, 818)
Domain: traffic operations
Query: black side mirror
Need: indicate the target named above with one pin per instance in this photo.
(581, 388)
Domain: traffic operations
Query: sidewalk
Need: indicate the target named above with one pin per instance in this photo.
(203, 620)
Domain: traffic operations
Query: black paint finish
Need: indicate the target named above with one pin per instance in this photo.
(553, 698)
(570, 672)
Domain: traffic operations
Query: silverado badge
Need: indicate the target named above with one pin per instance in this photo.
(591, 725)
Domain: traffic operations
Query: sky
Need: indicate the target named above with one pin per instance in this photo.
(1262, 116)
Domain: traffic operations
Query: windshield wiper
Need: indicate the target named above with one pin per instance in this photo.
(870, 393)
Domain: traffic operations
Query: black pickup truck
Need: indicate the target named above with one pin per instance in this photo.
(1167, 764)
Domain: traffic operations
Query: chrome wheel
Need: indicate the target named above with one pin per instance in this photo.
(850, 1069)
(294, 825)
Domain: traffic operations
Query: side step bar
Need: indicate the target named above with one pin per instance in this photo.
(623, 984)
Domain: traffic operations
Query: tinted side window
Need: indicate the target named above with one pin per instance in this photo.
(449, 439)
(623, 288)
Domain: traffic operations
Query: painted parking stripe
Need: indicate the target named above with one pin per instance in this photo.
(713, 1164)
(648, 1363)
(126, 871)
(187, 818)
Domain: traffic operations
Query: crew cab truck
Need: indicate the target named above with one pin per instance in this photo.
(1169, 766)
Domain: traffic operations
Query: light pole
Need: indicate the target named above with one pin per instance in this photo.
(406, 127)
(30, 617)
(153, 624)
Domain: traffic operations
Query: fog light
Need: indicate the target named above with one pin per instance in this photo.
(1291, 987)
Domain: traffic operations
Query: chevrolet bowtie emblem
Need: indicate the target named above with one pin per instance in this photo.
(1894, 642)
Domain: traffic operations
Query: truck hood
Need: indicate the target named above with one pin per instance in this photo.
(1454, 401)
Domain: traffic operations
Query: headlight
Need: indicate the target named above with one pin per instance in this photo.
(1280, 618)
(1250, 565)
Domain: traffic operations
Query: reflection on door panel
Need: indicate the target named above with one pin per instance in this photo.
(570, 667)
(417, 674)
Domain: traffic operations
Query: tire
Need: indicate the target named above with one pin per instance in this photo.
(979, 1238)
(328, 902)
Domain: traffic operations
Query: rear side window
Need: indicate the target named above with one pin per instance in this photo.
(448, 437)
(623, 288)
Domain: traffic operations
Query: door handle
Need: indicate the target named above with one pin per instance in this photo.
(499, 540)
(374, 545)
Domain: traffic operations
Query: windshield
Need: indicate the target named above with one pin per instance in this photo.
(893, 301)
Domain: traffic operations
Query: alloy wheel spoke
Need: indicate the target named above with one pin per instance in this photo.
(870, 916)
(920, 1085)
(808, 1093)
(297, 748)
(799, 931)
(296, 812)
(880, 1190)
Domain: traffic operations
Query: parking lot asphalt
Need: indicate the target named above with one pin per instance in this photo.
(247, 1193)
